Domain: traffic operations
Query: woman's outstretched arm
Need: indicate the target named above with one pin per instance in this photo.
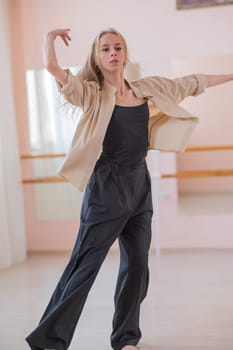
(213, 80)
(50, 57)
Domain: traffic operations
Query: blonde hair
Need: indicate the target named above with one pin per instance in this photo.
(91, 70)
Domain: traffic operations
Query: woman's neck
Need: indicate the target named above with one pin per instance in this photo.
(118, 82)
(124, 94)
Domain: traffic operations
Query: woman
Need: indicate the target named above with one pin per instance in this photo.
(120, 122)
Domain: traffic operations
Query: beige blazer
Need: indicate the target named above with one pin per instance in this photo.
(169, 125)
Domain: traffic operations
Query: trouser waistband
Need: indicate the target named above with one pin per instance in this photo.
(119, 166)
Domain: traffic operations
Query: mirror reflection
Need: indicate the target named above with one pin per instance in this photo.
(51, 127)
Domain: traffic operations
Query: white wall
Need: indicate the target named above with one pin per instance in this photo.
(214, 109)
(156, 32)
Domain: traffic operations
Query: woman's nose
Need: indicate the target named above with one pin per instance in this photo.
(113, 52)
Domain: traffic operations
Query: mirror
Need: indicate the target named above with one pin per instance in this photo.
(51, 127)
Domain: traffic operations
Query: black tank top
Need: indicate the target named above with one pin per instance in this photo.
(126, 139)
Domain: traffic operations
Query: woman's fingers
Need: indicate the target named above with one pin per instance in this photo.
(64, 34)
(66, 39)
(68, 36)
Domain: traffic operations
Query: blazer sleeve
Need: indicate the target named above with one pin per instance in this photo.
(179, 88)
(76, 91)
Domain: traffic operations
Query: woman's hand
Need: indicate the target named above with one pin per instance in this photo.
(63, 33)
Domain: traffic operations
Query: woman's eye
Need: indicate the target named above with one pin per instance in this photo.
(105, 49)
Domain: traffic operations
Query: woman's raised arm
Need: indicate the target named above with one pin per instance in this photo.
(50, 57)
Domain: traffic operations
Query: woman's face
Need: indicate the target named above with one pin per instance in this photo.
(112, 55)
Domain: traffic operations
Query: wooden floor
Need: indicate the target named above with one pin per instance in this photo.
(189, 304)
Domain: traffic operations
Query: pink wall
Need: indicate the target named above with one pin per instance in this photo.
(40, 235)
(157, 35)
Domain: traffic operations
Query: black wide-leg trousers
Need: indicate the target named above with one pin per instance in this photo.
(117, 204)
